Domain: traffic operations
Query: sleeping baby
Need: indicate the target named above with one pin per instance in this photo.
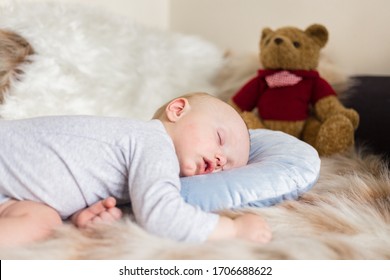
(82, 167)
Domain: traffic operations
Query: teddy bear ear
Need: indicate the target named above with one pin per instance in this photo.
(265, 32)
(318, 33)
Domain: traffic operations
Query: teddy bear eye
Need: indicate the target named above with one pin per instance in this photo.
(267, 41)
(296, 44)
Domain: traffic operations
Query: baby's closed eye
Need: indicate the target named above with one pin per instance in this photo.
(221, 137)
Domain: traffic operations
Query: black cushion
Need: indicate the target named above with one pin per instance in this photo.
(370, 97)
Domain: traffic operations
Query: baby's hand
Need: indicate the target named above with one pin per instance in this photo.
(102, 211)
(252, 228)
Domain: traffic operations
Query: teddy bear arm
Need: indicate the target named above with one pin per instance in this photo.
(234, 105)
(250, 118)
(247, 97)
(330, 106)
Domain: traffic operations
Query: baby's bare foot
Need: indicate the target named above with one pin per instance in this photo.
(102, 211)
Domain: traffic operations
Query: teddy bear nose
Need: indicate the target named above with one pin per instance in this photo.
(278, 40)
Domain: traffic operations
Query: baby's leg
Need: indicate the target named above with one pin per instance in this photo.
(102, 211)
(26, 221)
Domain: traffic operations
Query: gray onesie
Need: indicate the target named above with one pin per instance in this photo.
(71, 162)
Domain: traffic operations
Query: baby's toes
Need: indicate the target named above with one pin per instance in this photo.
(115, 212)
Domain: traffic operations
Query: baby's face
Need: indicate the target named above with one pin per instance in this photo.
(209, 138)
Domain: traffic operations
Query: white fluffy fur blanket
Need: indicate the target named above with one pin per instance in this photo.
(88, 62)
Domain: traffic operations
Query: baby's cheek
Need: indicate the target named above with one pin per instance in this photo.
(187, 169)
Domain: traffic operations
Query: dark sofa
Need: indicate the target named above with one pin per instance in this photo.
(370, 96)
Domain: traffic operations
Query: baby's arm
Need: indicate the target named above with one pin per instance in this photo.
(248, 226)
(102, 211)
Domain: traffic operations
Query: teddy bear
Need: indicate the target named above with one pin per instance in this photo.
(291, 96)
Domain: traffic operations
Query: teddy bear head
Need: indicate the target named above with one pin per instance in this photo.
(291, 48)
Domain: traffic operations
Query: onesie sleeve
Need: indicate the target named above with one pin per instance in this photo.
(155, 196)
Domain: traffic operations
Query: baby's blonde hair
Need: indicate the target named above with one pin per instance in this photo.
(191, 97)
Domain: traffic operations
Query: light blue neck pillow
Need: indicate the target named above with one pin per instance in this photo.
(280, 167)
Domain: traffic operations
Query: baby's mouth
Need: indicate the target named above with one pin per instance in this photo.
(208, 166)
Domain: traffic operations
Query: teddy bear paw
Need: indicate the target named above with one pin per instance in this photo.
(353, 116)
(335, 135)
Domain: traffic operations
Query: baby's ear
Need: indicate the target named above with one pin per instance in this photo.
(177, 108)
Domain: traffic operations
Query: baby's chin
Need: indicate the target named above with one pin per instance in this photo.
(187, 170)
(187, 173)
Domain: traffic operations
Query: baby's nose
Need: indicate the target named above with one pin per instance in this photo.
(221, 160)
